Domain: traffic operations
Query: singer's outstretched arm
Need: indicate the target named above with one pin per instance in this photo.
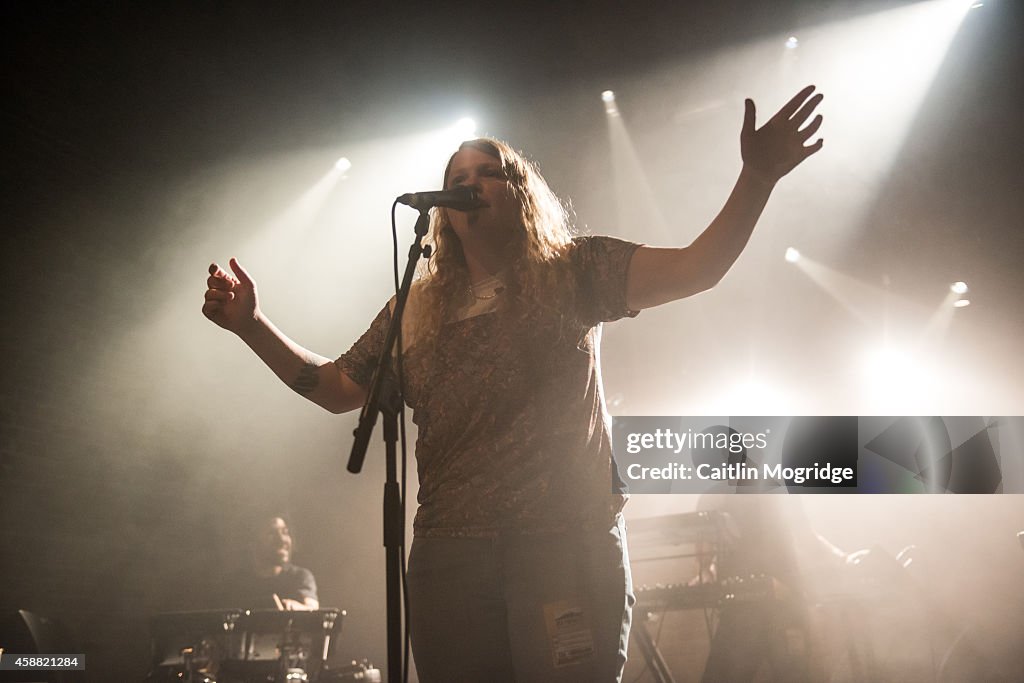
(232, 303)
(659, 275)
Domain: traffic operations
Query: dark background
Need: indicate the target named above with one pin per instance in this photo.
(137, 439)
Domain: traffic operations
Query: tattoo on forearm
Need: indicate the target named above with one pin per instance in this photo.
(307, 380)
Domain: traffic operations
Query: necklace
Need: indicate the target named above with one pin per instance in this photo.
(485, 297)
(489, 283)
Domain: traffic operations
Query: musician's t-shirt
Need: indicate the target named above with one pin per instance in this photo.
(513, 435)
(250, 591)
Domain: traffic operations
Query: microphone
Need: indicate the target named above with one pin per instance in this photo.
(460, 198)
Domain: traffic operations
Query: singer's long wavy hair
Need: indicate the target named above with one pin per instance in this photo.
(538, 276)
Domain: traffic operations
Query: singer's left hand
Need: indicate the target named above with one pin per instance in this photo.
(777, 147)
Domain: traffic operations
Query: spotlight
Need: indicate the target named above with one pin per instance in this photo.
(958, 287)
(961, 303)
(792, 255)
(792, 43)
(977, 5)
(608, 97)
(343, 164)
(465, 127)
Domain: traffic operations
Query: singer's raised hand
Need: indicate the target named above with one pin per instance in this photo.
(777, 147)
(231, 300)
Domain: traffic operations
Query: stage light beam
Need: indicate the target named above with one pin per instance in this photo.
(878, 69)
(635, 199)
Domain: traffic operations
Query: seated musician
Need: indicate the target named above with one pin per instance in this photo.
(271, 580)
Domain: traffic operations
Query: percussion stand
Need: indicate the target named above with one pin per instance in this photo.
(293, 656)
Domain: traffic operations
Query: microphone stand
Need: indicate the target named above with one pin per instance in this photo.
(381, 398)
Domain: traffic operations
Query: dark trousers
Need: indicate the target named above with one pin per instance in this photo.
(527, 608)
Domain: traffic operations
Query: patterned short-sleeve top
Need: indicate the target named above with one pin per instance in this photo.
(513, 431)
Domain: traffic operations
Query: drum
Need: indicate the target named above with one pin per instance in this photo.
(276, 646)
(242, 646)
(192, 643)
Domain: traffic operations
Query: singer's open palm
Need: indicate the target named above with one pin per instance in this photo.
(777, 147)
